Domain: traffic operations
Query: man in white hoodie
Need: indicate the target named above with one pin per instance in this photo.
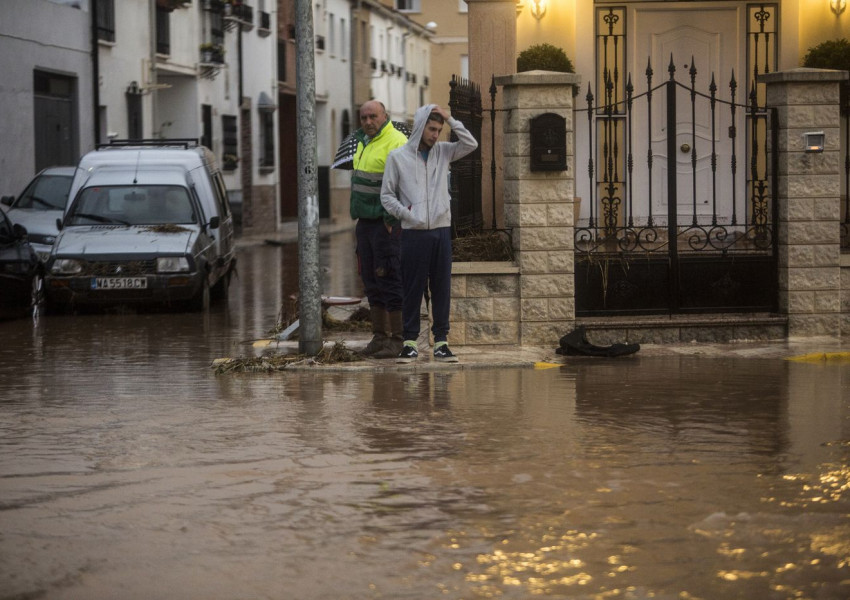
(415, 190)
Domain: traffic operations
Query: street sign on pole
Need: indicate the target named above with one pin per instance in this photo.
(309, 292)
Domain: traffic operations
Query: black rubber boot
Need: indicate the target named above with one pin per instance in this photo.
(393, 344)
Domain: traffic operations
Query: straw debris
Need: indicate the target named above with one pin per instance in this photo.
(487, 246)
(268, 363)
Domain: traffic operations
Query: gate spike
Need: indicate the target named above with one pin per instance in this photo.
(672, 67)
(693, 69)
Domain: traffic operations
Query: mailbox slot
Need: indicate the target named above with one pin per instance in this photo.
(548, 143)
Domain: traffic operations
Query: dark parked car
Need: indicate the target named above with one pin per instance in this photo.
(40, 204)
(21, 281)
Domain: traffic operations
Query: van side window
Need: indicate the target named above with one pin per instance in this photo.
(221, 195)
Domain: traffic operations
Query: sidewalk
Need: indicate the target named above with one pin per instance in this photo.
(812, 350)
(815, 349)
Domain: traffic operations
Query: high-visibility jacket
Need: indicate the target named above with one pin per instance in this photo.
(368, 173)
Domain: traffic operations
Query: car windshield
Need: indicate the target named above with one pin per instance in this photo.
(46, 192)
(133, 205)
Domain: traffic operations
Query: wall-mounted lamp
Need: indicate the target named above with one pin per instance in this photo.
(814, 141)
(538, 8)
(837, 6)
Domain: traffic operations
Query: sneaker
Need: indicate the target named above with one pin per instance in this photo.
(443, 354)
(408, 353)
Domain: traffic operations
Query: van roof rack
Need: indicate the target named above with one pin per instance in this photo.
(153, 143)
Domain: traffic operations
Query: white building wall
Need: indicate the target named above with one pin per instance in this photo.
(259, 76)
(29, 40)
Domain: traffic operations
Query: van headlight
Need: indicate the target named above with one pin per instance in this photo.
(172, 264)
(66, 266)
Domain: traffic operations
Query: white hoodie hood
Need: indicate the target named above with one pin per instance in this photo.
(416, 192)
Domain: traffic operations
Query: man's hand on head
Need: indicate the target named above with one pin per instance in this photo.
(442, 112)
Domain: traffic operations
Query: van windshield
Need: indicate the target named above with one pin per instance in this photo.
(133, 205)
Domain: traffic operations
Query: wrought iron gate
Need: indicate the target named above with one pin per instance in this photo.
(465, 182)
(641, 249)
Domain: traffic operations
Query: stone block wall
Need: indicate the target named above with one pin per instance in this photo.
(539, 206)
(808, 199)
(485, 303)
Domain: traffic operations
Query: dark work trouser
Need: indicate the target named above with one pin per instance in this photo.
(426, 260)
(378, 263)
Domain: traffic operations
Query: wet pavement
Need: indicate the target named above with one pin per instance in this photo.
(129, 469)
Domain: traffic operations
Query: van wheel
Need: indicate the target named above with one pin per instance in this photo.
(219, 290)
(201, 301)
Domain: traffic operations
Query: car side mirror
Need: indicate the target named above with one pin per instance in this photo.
(59, 224)
(7, 200)
(19, 231)
(215, 222)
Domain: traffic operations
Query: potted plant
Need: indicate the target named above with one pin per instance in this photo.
(211, 53)
(544, 57)
(831, 54)
(229, 6)
(230, 161)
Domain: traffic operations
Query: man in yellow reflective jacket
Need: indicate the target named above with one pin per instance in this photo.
(378, 234)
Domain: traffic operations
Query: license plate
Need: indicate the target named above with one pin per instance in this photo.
(119, 283)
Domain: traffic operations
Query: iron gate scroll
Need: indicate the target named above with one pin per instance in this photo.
(632, 259)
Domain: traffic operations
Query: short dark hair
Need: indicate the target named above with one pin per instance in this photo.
(436, 117)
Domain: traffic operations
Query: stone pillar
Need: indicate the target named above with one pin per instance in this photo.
(539, 206)
(492, 51)
(808, 198)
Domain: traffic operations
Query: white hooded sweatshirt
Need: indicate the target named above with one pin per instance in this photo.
(415, 192)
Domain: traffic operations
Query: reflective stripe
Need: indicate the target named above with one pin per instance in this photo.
(364, 188)
(377, 177)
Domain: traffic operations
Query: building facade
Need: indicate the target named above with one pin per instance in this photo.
(47, 92)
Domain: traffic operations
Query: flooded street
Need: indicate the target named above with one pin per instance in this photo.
(128, 469)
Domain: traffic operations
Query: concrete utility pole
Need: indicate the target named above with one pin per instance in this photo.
(309, 292)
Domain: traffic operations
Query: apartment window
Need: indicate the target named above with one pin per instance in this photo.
(163, 31)
(106, 20)
(332, 34)
(346, 123)
(230, 133)
(407, 5)
(343, 39)
(364, 42)
(206, 124)
(135, 129)
(281, 60)
(267, 136)
(216, 28)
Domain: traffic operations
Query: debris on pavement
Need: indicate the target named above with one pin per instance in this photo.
(267, 363)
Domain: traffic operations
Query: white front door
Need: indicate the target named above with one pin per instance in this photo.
(710, 36)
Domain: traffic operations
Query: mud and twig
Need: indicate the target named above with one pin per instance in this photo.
(268, 363)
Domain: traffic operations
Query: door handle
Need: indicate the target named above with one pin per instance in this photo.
(685, 148)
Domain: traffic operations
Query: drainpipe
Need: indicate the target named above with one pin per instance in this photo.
(239, 59)
(404, 83)
(95, 68)
(355, 42)
(152, 75)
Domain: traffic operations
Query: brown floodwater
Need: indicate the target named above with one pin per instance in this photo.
(128, 469)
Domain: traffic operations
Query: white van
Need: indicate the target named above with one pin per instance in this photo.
(147, 222)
